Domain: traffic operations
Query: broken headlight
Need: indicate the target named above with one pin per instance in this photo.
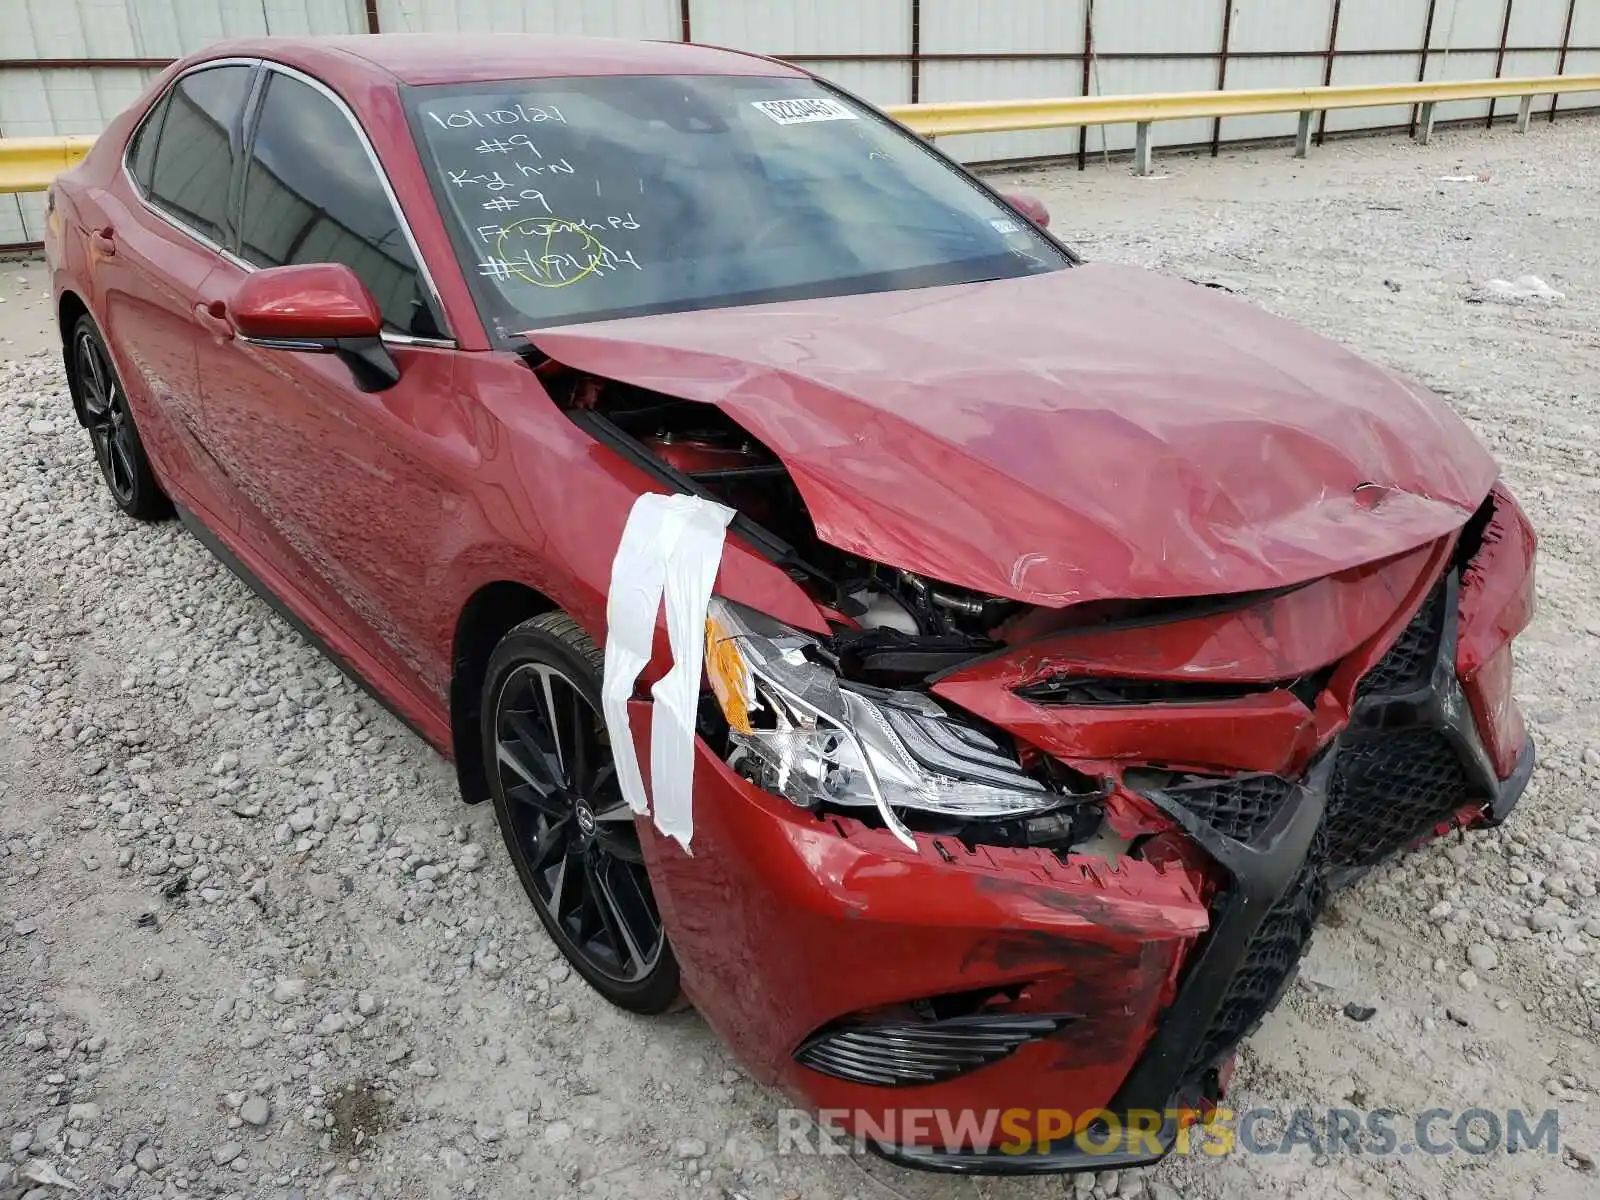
(800, 731)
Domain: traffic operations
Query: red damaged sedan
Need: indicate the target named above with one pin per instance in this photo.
(1041, 641)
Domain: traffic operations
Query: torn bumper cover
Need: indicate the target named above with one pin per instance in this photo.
(872, 979)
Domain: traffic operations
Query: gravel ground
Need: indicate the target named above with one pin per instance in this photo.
(251, 943)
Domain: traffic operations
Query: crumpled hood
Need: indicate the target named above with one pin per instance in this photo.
(1091, 433)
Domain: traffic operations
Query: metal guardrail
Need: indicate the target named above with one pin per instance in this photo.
(1005, 116)
(29, 164)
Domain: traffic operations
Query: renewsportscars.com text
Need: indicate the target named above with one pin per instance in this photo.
(1333, 1131)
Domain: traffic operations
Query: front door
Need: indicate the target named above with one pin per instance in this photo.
(348, 494)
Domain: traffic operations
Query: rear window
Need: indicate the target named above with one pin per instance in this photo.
(589, 198)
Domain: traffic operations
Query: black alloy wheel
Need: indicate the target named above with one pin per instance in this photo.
(117, 448)
(570, 833)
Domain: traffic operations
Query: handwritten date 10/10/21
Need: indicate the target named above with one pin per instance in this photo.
(516, 114)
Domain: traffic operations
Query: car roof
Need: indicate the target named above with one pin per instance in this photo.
(428, 58)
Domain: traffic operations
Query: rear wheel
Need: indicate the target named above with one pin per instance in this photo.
(570, 834)
(117, 448)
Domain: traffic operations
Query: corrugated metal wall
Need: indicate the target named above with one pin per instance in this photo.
(39, 98)
(68, 65)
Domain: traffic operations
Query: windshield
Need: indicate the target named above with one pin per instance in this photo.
(581, 199)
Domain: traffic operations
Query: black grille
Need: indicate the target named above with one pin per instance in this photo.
(912, 1053)
(1409, 758)
(1396, 776)
(1409, 664)
(1269, 962)
(1389, 788)
(1239, 807)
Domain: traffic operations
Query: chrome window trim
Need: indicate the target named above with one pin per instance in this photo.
(388, 190)
(399, 339)
(133, 183)
(386, 337)
(409, 339)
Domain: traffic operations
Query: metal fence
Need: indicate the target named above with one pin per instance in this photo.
(66, 66)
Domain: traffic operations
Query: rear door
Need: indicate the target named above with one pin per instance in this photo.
(156, 242)
(352, 495)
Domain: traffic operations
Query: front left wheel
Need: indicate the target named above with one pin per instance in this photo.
(566, 825)
(117, 448)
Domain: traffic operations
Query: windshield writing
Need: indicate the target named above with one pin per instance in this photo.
(582, 199)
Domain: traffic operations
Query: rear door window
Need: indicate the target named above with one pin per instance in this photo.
(312, 194)
(142, 146)
(193, 166)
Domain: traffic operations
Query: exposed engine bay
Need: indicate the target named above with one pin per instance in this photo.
(710, 455)
(893, 630)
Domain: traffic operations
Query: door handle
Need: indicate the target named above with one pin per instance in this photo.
(104, 241)
(214, 316)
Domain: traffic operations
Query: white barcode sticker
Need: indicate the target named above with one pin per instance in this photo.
(800, 112)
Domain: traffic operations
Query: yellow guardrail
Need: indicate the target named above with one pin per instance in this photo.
(29, 164)
(1006, 116)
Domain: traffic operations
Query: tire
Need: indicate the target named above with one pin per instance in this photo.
(570, 834)
(109, 418)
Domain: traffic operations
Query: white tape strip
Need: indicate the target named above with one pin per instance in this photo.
(672, 546)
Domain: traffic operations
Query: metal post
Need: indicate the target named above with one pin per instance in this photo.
(1422, 62)
(1088, 63)
(685, 26)
(1561, 59)
(1500, 60)
(1302, 140)
(1524, 114)
(1222, 72)
(1425, 124)
(372, 17)
(916, 51)
(1141, 148)
(1327, 68)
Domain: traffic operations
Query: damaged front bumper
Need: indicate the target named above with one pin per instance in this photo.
(872, 980)
(792, 930)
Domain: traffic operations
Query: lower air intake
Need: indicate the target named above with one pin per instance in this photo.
(910, 1054)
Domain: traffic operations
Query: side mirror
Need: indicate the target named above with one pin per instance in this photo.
(317, 308)
(1029, 206)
